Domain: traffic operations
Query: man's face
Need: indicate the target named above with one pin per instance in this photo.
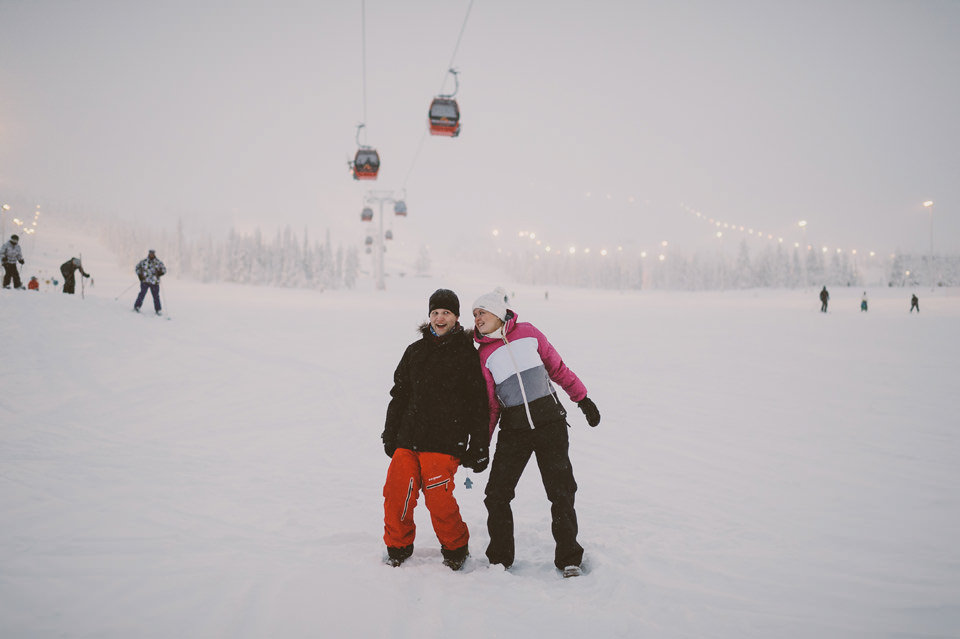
(442, 321)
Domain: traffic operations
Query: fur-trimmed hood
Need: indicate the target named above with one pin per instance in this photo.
(457, 332)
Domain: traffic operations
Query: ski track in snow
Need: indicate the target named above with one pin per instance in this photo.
(761, 470)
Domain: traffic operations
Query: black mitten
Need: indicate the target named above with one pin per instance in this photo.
(589, 411)
(477, 459)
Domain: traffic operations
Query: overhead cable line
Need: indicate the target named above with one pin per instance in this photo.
(453, 57)
(366, 162)
(363, 54)
(457, 46)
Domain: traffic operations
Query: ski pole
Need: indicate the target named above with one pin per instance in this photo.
(123, 291)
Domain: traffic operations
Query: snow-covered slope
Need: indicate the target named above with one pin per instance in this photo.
(761, 470)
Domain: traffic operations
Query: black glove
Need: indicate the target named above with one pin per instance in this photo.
(87, 275)
(141, 278)
(389, 449)
(476, 459)
(21, 261)
(589, 411)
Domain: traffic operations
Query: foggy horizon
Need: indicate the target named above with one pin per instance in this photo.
(592, 126)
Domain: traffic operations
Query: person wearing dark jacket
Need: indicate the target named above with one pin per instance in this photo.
(149, 270)
(520, 367)
(68, 270)
(824, 299)
(436, 421)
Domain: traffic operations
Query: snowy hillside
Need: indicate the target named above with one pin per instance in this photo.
(761, 470)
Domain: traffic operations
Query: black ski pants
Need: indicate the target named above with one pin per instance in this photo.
(69, 283)
(550, 443)
(10, 272)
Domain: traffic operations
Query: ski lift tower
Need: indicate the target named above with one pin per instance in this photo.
(381, 197)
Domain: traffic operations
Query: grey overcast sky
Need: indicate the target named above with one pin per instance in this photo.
(590, 123)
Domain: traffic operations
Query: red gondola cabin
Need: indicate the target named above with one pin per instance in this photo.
(444, 117)
(366, 164)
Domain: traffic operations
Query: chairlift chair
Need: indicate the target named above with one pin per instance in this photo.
(367, 214)
(400, 207)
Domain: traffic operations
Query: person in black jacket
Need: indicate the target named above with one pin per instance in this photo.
(437, 420)
(68, 270)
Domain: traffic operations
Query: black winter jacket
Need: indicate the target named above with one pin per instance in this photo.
(439, 396)
(68, 268)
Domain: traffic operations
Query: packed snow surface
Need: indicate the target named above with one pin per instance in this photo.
(761, 470)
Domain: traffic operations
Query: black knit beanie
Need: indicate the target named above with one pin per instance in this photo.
(445, 298)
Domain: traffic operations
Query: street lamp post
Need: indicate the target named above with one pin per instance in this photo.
(723, 266)
(803, 227)
(929, 205)
(3, 222)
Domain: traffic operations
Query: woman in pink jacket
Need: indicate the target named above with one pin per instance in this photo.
(520, 367)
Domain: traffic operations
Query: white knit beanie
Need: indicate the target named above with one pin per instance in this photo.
(494, 302)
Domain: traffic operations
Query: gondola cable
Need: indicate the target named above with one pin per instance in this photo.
(366, 162)
(453, 57)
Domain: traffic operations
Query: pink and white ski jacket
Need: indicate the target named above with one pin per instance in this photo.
(519, 367)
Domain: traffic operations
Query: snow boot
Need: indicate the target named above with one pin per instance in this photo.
(571, 571)
(454, 559)
(396, 556)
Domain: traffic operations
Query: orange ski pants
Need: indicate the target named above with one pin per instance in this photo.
(409, 473)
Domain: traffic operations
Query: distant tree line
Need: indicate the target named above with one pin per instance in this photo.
(292, 261)
(773, 267)
(285, 260)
